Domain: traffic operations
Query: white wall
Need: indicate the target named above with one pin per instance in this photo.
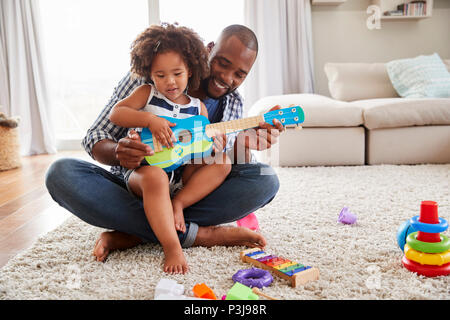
(340, 34)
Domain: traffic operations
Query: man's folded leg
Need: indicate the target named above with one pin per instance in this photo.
(100, 198)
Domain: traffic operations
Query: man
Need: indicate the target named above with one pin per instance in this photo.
(100, 198)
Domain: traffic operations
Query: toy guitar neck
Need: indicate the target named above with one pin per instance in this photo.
(194, 135)
(247, 123)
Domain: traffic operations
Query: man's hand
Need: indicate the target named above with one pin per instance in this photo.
(261, 138)
(130, 151)
(264, 136)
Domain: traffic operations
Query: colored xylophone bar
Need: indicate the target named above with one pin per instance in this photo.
(296, 273)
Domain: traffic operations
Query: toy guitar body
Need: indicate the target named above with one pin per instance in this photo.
(194, 135)
(192, 142)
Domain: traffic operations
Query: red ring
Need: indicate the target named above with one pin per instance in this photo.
(426, 270)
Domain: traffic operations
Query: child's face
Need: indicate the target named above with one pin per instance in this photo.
(170, 75)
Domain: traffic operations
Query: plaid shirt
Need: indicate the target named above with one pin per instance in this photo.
(103, 128)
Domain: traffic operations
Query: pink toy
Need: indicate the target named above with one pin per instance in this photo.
(249, 221)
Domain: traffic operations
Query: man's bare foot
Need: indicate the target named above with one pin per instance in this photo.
(113, 240)
(175, 261)
(178, 216)
(228, 236)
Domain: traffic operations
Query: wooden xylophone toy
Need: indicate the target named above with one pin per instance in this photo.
(294, 272)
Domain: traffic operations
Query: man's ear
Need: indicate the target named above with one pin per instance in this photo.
(210, 46)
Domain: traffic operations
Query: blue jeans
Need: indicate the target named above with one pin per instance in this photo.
(101, 199)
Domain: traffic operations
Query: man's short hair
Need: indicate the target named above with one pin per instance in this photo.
(244, 34)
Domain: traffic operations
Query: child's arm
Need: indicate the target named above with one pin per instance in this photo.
(220, 139)
(126, 114)
(203, 111)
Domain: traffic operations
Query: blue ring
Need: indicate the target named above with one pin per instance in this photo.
(429, 227)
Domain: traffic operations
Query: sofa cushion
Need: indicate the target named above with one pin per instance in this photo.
(400, 112)
(408, 145)
(356, 81)
(420, 77)
(320, 111)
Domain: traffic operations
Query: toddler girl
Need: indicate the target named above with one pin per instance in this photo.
(171, 58)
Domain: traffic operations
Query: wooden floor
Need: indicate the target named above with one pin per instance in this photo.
(26, 209)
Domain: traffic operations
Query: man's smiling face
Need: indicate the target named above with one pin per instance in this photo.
(230, 62)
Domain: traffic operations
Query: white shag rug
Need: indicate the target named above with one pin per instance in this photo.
(360, 261)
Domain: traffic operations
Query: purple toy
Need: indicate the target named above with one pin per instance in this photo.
(346, 216)
(253, 277)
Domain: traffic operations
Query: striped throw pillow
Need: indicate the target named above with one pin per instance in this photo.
(420, 77)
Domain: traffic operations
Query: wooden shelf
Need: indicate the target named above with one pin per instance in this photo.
(388, 5)
(327, 2)
(403, 17)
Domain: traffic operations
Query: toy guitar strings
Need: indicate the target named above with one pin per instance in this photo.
(194, 135)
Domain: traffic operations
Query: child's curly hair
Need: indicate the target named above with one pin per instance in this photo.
(170, 37)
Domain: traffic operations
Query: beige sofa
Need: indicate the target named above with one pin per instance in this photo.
(363, 122)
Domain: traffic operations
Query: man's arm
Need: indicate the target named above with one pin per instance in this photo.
(104, 152)
(127, 152)
(108, 143)
(260, 138)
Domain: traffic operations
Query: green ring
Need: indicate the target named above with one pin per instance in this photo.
(428, 247)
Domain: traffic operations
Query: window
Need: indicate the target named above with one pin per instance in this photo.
(87, 46)
(206, 17)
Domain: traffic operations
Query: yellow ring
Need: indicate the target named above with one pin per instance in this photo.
(433, 259)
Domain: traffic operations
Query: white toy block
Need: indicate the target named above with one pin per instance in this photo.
(168, 287)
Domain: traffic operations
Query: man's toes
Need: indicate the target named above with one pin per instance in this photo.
(95, 246)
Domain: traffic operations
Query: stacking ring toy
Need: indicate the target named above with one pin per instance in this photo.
(403, 231)
(426, 270)
(253, 277)
(428, 227)
(428, 247)
(435, 259)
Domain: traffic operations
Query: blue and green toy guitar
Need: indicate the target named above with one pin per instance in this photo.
(194, 135)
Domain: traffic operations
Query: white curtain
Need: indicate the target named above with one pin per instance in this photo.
(285, 60)
(23, 91)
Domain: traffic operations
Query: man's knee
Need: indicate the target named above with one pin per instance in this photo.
(57, 171)
(269, 179)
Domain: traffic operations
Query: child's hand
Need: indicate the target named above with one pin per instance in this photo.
(160, 129)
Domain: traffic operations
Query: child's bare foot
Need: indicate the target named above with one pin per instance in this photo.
(112, 240)
(229, 236)
(175, 261)
(178, 216)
